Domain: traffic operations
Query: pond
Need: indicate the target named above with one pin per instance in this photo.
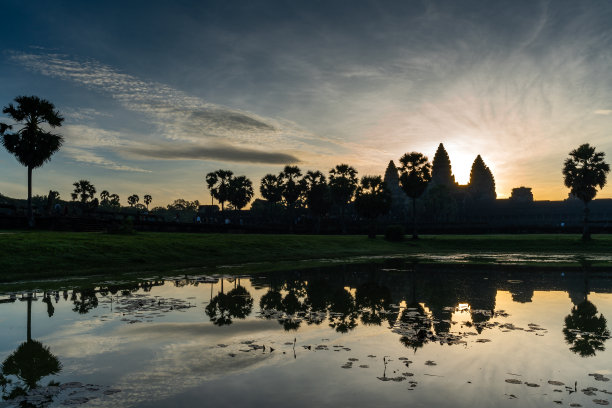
(385, 334)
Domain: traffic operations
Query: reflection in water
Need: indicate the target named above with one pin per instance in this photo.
(237, 303)
(584, 330)
(372, 317)
(29, 363)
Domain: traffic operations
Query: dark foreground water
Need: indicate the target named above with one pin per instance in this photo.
(358, 335)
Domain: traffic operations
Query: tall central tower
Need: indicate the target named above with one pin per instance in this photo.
(442, 174)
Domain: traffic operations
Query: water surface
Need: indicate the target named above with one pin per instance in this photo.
(353, 335)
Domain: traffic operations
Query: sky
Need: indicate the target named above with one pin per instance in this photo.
(156, 94)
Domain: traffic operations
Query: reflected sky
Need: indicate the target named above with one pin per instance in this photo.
(356, 336)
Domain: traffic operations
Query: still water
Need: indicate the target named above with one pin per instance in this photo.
(354, 335)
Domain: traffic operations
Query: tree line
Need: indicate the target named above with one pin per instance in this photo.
(584, 172)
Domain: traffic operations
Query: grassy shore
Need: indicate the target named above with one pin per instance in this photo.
(41, 255)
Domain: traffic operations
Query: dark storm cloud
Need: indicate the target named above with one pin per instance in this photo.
(218, 153)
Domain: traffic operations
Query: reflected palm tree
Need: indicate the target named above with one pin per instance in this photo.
(584, 330)
(86, 301)
(373, 301)
(30, 362)
(50, 307)
(318, 300)
(343, 311)
(416, 326)
(237, 303)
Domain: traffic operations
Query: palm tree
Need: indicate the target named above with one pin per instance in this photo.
(240, 192)
(415, 174)
(342, 185)
(85, 192)
(147, 200)
(583, 172)
(31, 145)
(104, 197)
(218, 184)
(114, 200)
(271, 189)
(133, 200)
(372, 199)
(318, 197)
(291, 189)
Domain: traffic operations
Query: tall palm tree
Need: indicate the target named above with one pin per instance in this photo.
(32, 145)
(415, 175)
(583, 172)
(317, 195)
(147, 200)
(342, 185)
(240, 192)
(218, 184)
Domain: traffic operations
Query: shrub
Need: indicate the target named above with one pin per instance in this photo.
(394, 233)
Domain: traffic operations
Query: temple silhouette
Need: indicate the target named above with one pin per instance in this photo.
(448, 206)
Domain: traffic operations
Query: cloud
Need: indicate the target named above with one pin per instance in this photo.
(177, 116)
(220, 153)
(603, 112)
(89, 157)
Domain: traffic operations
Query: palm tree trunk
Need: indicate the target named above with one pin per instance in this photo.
(30, 214)
(414, 226)
(586, 234)
(29, 333)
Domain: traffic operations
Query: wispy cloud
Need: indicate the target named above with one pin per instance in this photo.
(91, 158)
(239, 136)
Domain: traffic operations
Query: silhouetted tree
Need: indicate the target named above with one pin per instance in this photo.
(114, 200)
(271, 188)
(85, 192)
(584, 330)
(372, 199)
(318, 197)
(415, 174)
(240, 192)
(342, 185)
(218, 184)
(343, 311)
(133, 200)
(31, 144)
(292, 189)
(482, 183)
(583, 172)
(104, 198)
(147, 200)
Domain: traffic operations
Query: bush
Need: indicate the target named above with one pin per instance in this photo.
(394, 233)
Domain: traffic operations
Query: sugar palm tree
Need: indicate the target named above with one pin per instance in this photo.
(218, 184)
(415, 174)
(583, 172)
(240, 192)
(133, 200)
(147, 200)
(343, 182)
(32, 145)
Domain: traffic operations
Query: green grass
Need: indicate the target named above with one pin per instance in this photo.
(44, 255)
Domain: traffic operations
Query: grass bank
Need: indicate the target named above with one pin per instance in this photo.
(40, 255)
